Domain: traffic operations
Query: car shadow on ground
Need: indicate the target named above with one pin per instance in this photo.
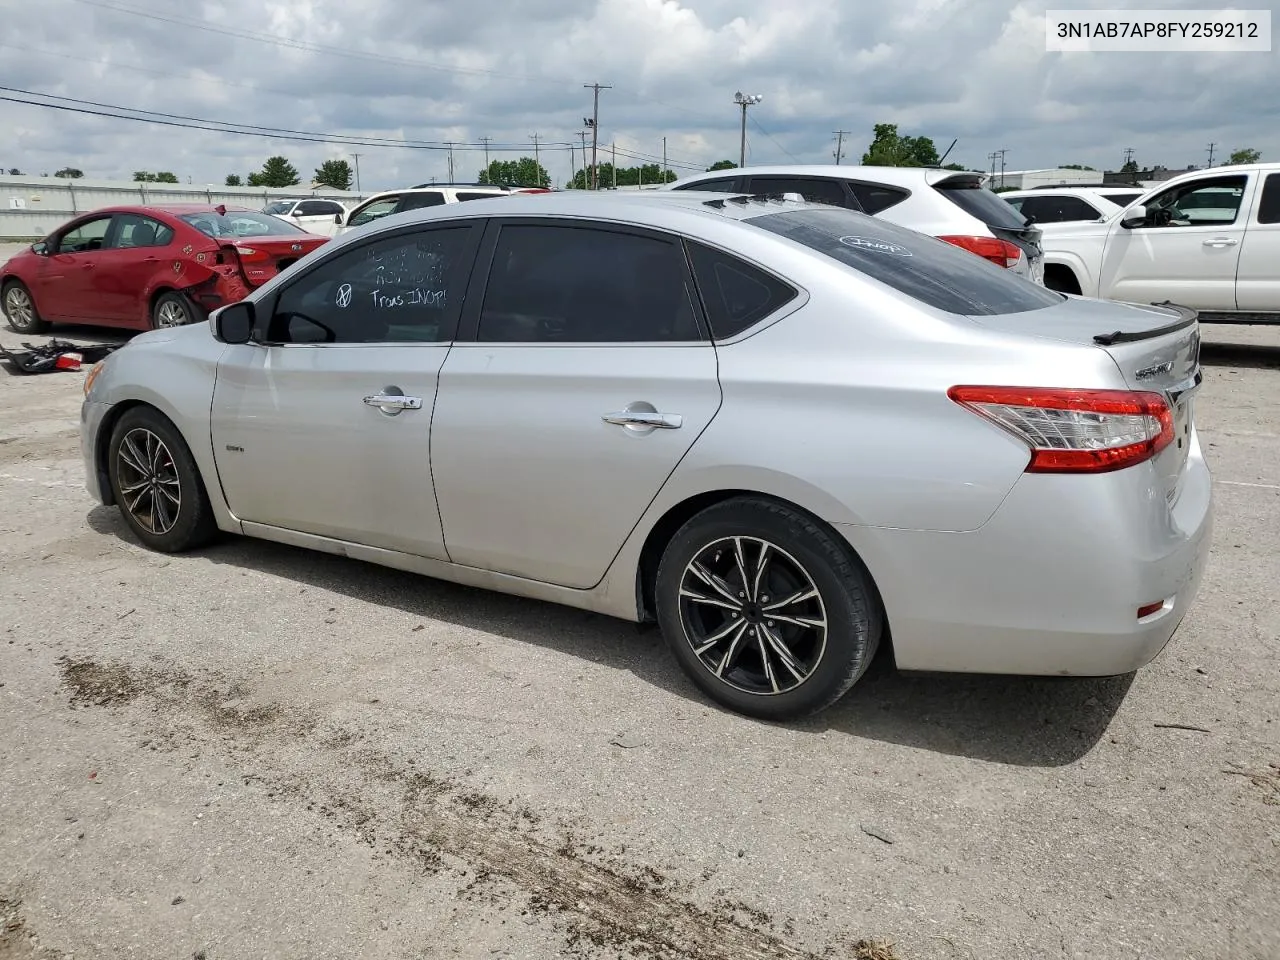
(1254, 355)
(1043, 722)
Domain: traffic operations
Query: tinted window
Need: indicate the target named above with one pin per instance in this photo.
(735, 294)
(722, 185)
(416, 201)
(463, 196)
(1123, 199)
(1269, 207)
(133, 230)
(553, 284)
(873, 197)
(977, 200)
(814, 190)
(374, 211)
(240, 223)
(399, 289)
(1056, 208)
(87, 236)
(280, 208)
(316, 208)
(931, 271)
(1211, 201)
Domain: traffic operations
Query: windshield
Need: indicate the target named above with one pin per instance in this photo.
(278, 208)
(931, 271)
(240, 223)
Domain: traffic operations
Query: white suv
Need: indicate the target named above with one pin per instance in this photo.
(312, 214)
(948, 204)
(1070, 204)
(424, 195)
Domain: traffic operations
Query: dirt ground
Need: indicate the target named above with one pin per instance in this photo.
(255, 751)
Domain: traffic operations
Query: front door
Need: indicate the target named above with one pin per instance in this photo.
(323, 427)
(68, 281)
(586, 379)
(1187, 251)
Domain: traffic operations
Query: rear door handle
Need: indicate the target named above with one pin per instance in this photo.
(394, 401)
(641, 418)
(1221, 242)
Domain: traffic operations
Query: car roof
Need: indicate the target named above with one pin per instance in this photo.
(894, 176)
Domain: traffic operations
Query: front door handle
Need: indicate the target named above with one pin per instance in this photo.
(1221, 242)
(643, 418)
(394, 401)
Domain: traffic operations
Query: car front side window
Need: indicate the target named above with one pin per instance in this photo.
(1212, 201)
(88, 236)
(405, 288)
(373, 211)
(580, 284)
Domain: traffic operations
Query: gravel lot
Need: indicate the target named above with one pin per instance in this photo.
(254, 751)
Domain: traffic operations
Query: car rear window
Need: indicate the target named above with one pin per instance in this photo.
(926, 269)
(976, 200)
(238, 223)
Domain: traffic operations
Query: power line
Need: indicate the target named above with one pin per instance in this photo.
(775, 142)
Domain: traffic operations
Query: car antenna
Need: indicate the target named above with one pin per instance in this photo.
(949, 149)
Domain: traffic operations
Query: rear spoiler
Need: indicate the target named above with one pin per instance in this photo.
(1186, 317)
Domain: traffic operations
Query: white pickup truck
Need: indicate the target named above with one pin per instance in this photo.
(1209, 239)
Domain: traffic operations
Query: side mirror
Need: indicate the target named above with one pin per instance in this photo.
(40, 249)
(233, 323)
(337, 218)
(1134, 217)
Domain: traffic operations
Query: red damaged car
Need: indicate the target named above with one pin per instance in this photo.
(145, 267)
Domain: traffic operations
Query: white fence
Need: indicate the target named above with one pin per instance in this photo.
(33, 207)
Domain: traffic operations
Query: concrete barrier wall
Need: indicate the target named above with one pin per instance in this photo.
(36, 206)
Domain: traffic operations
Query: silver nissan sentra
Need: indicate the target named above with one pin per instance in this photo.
(785, 432)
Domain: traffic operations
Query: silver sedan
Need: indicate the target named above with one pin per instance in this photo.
(787, 433)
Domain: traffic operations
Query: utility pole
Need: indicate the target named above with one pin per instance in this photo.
(992, 157)
(450, 142)
(595, 130)
(840, 135)
(1211, 146)
(744, 101)
(357, 159)
(664, 161)
(485, 141)
(614, 164)
(537, 164)
(586, 180)
(1002, 151)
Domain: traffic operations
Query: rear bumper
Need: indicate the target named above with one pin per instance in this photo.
(1051, 585)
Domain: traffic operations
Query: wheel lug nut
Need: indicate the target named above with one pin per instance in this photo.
(741, 594)
(736, 614)
(771, 623)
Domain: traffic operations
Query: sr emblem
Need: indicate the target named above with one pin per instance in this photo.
(1146, 373)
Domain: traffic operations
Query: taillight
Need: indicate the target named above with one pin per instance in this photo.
(1076, 431)
(1000, 252)
(252, 255)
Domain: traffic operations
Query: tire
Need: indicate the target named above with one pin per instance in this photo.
(173, 310)
(20, 308)
(171, 513)
(824, 663)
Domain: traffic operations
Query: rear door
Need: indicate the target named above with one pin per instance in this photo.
(316, 216)
(582, 375)
(136, 254)
(1258, 272)
(1187, 251)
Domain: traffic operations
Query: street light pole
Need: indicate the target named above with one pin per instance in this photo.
(744, 101)
(595, 131)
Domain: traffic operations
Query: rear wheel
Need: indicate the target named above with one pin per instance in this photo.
(173, 310)
(157, 484)
(766, 611)
(20, 308)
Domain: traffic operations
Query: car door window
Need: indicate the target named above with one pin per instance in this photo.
(399, 289)
(1055, 209)
(374, 211)
(814, 190)
(735, 294)
(874, 197)
(311, 208)
(133, 230)
(280, 208)
(720, 185)
(577, 284)
(90, 235)
(1210, 202)
(416, 201)
(1269, 205)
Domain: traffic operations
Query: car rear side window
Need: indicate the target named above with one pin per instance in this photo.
(973, 198)
(1269, 206)
(134, 230)
(463, 196)
(580, 284)
(1057, 208)
(874, 197)
(735, 294)
(813, 189)
(719, 185)
(416, 201)
(926, 269)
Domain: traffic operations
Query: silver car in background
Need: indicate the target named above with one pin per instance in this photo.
(786, 432)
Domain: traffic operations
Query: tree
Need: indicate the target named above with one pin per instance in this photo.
(334, 173)
(525, 172)
(955, 166)
(891, 149)
(1245, 155)
(15, 172)
(276, 172)
(1073, 166)
(69, 173)
(145, 176)
(1129, 166)
(650, 174)
(722, 165)
(233, 180)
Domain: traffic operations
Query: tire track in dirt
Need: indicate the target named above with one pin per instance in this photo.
(440, 825)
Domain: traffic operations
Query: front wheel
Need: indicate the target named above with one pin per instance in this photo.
(767, 612)
(156, 483)
(20, 308)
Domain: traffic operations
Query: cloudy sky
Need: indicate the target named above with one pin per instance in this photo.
(430, 72)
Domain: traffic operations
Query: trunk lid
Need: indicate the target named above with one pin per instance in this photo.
(261, 258)
(1155, 347)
